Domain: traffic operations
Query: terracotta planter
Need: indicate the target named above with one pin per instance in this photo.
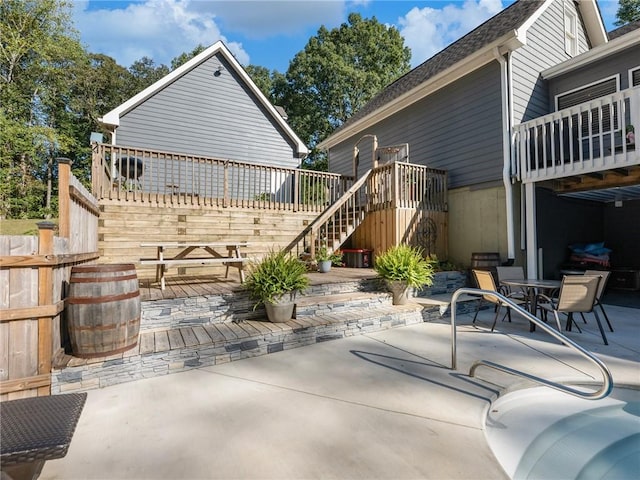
(282, 309)
(324, 266)
(400, 291)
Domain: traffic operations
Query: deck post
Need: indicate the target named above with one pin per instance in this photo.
(296, 190)
(225, 198)
(45, 298)
(64, 200)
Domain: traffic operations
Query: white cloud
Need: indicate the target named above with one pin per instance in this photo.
(265, 18)
(158, 29)
(428, 30)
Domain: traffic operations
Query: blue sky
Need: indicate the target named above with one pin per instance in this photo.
(269, 33)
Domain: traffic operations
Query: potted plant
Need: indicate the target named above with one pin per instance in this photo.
(403, 267)
(326, 258)
(630, 135)
(274, 282)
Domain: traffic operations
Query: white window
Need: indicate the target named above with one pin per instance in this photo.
(596, 123)
(570, 30)
(634, 77)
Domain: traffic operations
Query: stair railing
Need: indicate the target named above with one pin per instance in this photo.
(607, 384)
(337, 222)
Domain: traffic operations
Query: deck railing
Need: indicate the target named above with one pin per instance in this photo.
(407, 185)
(150, 176)
(585, 138)
(391, 186)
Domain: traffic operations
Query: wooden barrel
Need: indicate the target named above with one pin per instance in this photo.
(103, 309)
(485, 260)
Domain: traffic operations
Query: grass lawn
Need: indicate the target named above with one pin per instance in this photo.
(22, 226)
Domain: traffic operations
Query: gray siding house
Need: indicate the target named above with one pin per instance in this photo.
(209, 107)
(459, 111)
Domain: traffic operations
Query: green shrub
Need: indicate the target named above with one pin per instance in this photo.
(323, 254)
(277, 274)
(444, 266)
(405, 263)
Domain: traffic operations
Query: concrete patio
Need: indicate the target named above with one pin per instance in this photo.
(378, 405)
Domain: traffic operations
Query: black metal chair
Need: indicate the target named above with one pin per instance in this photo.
(604, 277)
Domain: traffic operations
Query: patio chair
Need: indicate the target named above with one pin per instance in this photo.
(601, 286)
(577, 295)
(511, 273)
(485, 281)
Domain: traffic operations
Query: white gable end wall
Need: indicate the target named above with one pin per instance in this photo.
(210, 114)
(545, 48)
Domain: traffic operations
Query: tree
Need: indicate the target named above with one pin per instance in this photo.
(628, 11)
(186, 56)
(144, 72)
(39, 47)
(271, 83)
(338, 72)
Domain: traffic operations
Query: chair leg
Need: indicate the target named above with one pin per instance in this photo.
(605, 315)
(477, 310)
(584, 320)
(570, 321)
(604, 337)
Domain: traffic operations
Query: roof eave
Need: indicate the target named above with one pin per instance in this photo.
(112, 118)
(593, 22)
(612, 47)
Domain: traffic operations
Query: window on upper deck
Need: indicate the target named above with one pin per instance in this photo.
(634, 77)
(570, 30)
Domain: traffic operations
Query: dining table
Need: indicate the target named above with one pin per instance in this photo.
(532, 287)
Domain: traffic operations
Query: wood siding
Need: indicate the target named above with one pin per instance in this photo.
(123, 228)
(544, 49)
(208, 114)
(457, 129)
(618, 64)
(383, 229)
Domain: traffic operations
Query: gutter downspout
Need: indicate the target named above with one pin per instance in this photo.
(506, 87)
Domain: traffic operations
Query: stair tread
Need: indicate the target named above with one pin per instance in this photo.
(238, 332)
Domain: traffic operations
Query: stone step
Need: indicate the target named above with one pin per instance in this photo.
(179, 349)
(179, 312)
(326, 304)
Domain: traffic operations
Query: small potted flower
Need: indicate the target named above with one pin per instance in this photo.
(326, 258)
(404, 267)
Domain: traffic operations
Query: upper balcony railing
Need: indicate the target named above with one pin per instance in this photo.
(589, 137)
(134, 175)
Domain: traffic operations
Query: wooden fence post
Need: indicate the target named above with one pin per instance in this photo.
(64, 198)
(45, 297)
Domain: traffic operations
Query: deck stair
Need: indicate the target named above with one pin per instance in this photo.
(174, 340)
(334, 226)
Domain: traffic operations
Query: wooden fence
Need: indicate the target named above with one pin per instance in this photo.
(34, 272)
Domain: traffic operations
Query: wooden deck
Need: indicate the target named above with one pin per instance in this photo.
(196, 286)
